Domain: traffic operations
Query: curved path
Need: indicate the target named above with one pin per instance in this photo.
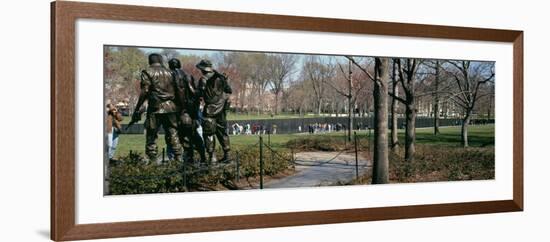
(315, 169)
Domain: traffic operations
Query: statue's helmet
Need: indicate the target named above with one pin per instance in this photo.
(205, 65)
(174, 63)
(155, 59)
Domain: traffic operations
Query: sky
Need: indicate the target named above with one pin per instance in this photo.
(196, 52)
(211, 54)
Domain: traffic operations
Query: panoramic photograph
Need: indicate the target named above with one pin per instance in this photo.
(192, 120)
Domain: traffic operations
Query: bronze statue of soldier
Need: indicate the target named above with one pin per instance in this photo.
(187, 97)
(215, 91)
(158, 89)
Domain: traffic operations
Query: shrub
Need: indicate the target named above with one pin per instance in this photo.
(133, 175)
(443, 163)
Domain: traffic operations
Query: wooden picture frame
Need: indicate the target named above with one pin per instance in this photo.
(63, 18)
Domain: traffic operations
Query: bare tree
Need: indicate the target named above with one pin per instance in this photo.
(318, 74)
(470, 77)
(254, 80)
(260, 79)
(380, 93)
(438, 87)
(242, 81)
(407, 69)
(394, 102)
(381, 163)
(354, 85)
(280, 67)
(485, 105)
(296, 97)
(436, 101)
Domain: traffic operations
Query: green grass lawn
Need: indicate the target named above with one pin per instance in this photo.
(136, 142)
(479, 136)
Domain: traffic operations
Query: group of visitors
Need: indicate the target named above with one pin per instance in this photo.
(256, 129)
(324, 127)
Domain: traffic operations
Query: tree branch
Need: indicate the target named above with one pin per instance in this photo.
(343, 72)
(337, 90)
(458, 103)
(361, 68)
(397, 98)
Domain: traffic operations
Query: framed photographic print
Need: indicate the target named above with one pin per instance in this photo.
(173, 120)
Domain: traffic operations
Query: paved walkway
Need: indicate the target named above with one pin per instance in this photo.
(315, 169)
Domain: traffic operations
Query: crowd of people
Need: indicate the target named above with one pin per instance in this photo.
(313, 128)
(325, 127)
(257, 129)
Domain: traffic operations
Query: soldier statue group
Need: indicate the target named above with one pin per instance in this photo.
(174, 102)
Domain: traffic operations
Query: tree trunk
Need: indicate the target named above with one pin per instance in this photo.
(464, 130)
(260, 105)
(350, 118)
(367, 107)
(410, 132)
(276, 103)
(436, 115)
(394, 102)
(489, 109)
(394, 126)
(436, 100)
(380, 156)
(319, 103)
(350, 107)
